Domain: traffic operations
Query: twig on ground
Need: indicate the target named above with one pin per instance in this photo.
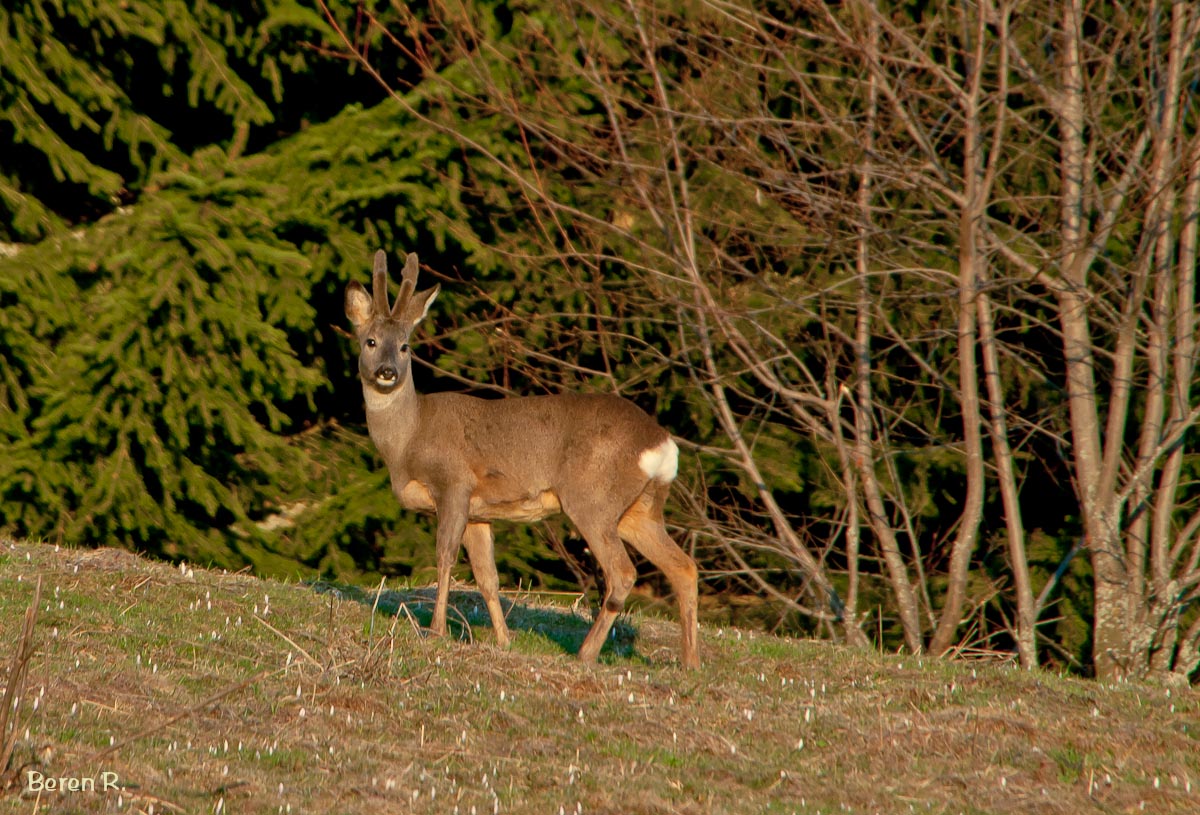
(291, 642)
(416, 626)
(466, 624)
(375, 607)
(17, 673)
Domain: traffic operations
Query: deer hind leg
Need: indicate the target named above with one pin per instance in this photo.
(619, 577)
(643, 528)
(480, 547)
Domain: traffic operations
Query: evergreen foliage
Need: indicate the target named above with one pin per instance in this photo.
(96, 96)
(158, 412)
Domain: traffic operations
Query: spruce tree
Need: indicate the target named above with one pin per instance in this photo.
(96, 96)
(157, 416)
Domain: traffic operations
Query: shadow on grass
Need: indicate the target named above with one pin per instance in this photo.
(562, 629)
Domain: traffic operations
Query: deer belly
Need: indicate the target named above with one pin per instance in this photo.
(487, 504)
(514, 508)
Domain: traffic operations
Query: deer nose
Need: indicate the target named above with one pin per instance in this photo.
(385, 373)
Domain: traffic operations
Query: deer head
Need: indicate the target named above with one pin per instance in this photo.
(383, 333)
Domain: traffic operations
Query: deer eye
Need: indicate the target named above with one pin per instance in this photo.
(370, 342)
(404, 348)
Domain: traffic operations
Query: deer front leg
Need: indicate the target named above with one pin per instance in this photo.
(481, 550)
(452, 522)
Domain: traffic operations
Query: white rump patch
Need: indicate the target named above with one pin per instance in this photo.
(660, 462)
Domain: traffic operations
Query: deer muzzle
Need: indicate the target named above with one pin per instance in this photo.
(386, 376)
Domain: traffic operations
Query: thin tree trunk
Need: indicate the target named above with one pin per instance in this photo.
(1026, 622)
(885, 535)
(1026, 629)
(1101, 524)
(970, 270)
(1179, 359)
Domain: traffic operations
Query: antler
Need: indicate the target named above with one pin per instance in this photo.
(379, 283)
(407, 286)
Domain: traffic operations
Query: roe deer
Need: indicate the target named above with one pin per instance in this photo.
(595, 457)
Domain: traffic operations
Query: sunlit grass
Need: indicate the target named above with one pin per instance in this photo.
(208, 692)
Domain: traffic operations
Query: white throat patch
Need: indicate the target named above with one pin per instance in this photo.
(377, 401)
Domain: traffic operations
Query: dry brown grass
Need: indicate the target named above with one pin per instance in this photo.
(203, 695)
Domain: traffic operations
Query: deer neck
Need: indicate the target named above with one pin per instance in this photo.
(392, 420)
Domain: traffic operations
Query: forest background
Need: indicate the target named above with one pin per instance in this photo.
(912, 283)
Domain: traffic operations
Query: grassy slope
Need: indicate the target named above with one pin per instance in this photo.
(325, 710)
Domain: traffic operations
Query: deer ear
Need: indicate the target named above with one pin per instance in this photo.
(359, 306)
(418, 307)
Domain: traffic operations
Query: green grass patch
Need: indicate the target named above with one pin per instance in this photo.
(205, 691)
